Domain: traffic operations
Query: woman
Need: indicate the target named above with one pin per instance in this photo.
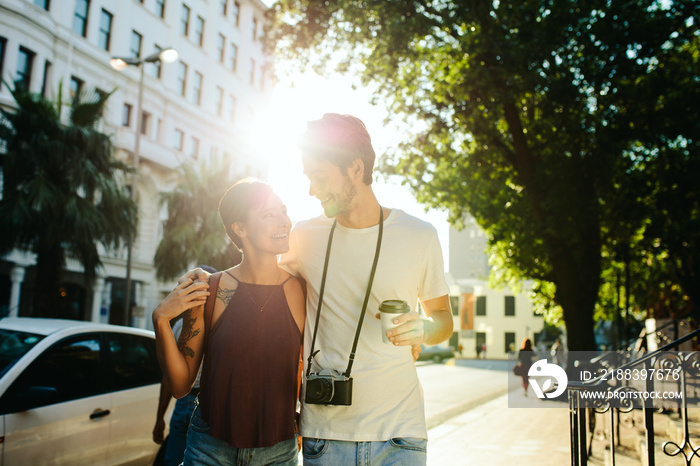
(250, 332)
(525, 361)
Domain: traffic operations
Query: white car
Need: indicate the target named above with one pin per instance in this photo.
(77, 393)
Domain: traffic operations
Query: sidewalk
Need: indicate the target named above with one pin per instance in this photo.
(493, 434)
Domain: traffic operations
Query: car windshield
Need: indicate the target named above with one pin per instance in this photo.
(14, 345)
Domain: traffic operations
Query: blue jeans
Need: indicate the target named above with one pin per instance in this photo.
(397, 451)
(203, 449)
(179, 422)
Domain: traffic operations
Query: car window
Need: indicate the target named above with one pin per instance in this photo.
(134, 362)
(69, 370)
(14, 345)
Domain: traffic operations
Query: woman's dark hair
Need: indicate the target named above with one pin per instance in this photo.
(238, 200)
(340, 140)
(527, 345)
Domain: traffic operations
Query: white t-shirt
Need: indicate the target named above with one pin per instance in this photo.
(387, 396)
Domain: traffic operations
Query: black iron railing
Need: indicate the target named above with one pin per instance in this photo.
(675, 369)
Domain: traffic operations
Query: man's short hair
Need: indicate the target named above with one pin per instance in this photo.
(340, 140)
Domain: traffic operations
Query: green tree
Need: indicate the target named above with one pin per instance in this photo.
(193, 233)
(527, 114)
(62, 191)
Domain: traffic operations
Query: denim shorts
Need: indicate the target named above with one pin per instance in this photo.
(404, 451)
(203, 449)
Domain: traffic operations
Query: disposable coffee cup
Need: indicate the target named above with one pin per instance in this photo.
(388, 311)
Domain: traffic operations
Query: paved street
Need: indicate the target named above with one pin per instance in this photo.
(470, 422)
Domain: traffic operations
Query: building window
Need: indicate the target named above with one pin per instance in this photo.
(221, 47)
(157, 66)
(232, 107)
(185, 20)
(182, 78)
(102, 95)
(195, 148)
(199, 31)
(42, 4)
(236, 12)
(510, 305)
(76, 86)
(481, 305)
(126, 115)
(47, 78)
(219, 101)
(481, 345)
(3, 46)
(160, 8)
(252, 71)
(80, 17)
(105, 32)
(25, 63)
(510, 342)
(255, 29)
(234, 57)
(454, 304)
(197, 88)
(145, 122)
(179, 137)
(135, 48)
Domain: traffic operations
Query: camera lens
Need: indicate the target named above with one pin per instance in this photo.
(319, 390)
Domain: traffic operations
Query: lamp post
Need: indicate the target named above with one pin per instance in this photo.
(167, 55)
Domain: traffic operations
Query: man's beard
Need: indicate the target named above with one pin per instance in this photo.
(341, 203)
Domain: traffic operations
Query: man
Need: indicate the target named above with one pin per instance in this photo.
(386, 420)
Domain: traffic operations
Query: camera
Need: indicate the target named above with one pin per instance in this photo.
(328, 387)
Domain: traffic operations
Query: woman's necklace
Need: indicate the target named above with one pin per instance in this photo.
(268, 298)
(266, 302)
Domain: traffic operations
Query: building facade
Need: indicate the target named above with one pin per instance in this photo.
(492, 322)
(201, 105)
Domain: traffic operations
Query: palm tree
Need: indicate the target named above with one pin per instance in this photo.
(193, 233)
(63, 191)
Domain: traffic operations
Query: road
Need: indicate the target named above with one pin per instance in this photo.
(452, 388)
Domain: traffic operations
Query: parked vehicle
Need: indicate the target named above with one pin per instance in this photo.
(435, 353)
(77, 393)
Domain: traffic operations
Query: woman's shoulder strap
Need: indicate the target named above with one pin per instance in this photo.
(211, 300)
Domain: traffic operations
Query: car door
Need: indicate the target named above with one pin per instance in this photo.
(134, 377)
(55, 412)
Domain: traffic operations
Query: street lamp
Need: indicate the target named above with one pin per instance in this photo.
(167, 55)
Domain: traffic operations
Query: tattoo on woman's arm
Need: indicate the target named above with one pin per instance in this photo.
(188, 333)
(225, 295)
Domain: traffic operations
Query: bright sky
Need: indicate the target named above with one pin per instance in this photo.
(302, 97)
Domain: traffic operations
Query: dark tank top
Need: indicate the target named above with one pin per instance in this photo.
(249, 376)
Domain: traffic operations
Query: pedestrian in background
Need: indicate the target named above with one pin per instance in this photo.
(180, 420)
(525, 360)
(557, 353)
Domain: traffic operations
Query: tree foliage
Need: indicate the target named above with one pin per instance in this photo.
(62, 190)
(193, 233)
(564, 128)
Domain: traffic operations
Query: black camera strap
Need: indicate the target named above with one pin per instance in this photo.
(312, 354)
